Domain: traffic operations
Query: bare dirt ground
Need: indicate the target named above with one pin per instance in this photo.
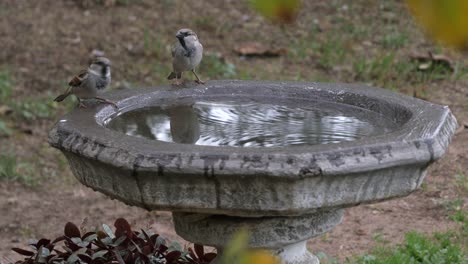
(43, 43)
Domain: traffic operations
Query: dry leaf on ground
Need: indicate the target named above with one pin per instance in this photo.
(258, 49)
(428, 60)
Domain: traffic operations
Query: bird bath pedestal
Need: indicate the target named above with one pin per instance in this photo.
(285, 193)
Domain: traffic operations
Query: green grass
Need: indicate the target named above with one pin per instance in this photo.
(154, 46)
(419, 248)
(440, 248)
(368, 49)
(26, 109)
(216, 67)
(30, 109)
(332, 53)
(11, 170)
(6, 86)
(4, 129)
(395, 40)
(461, 181)
(205, 22)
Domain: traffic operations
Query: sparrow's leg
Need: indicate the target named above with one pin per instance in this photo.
(198, 79)
(178, 77)
(106, 101)
(80, 103)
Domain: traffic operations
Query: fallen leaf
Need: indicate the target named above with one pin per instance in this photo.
(258, 49)
(428, 61)
(424, 66)
(5, 110)
(360, 232)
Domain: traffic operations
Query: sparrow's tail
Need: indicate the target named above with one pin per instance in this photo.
(62, 97)
(171, 76)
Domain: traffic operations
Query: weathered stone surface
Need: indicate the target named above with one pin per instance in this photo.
(255, 181)
(284, 236)
(265, 232)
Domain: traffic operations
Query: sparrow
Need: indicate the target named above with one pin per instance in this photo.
(187, 53)
(90, 83)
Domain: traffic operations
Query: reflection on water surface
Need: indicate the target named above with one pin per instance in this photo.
(246, 123)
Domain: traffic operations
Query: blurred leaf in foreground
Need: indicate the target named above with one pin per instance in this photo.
(446, 21)
(237, 252)
(283, 11)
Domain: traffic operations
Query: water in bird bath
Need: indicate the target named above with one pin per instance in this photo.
(250, 123)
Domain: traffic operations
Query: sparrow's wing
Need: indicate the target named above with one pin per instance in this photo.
(78, 79)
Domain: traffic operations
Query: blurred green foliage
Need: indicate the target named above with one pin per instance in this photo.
(284, 11)
(237, 252)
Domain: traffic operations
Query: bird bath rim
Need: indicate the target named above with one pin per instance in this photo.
(292, 180)
(416, 132)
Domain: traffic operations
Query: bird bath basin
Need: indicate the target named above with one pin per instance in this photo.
(282, 158)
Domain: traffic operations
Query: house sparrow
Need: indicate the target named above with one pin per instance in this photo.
(187, 53)
(90, 83)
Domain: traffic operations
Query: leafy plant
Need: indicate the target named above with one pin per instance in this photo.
(105, 246)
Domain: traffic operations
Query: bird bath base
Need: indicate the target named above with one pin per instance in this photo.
(284, 194)
(286, 237)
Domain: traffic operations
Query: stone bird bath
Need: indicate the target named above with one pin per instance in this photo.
(284, 190)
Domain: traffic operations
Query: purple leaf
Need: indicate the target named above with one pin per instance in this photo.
(137, 247)
(71, 230)
(143, 259)
(147, 249)
(23, 252)
(192, 255)
(85, 258)
(118, 257)
(154, 239)
(88, 234)
(173, 255)
(58, 239)
(101, 234)
(42, 242)
(122, 228)
(162, 248)
(208, 257)
(199, 250)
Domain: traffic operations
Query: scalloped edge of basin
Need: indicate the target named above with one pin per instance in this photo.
(272, 181)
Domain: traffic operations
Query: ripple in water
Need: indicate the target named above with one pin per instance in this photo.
(252, 124)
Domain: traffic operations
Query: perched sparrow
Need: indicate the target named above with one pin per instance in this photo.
(187, 53)
(90, 83)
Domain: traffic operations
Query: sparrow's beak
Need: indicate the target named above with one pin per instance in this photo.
(179, 36)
